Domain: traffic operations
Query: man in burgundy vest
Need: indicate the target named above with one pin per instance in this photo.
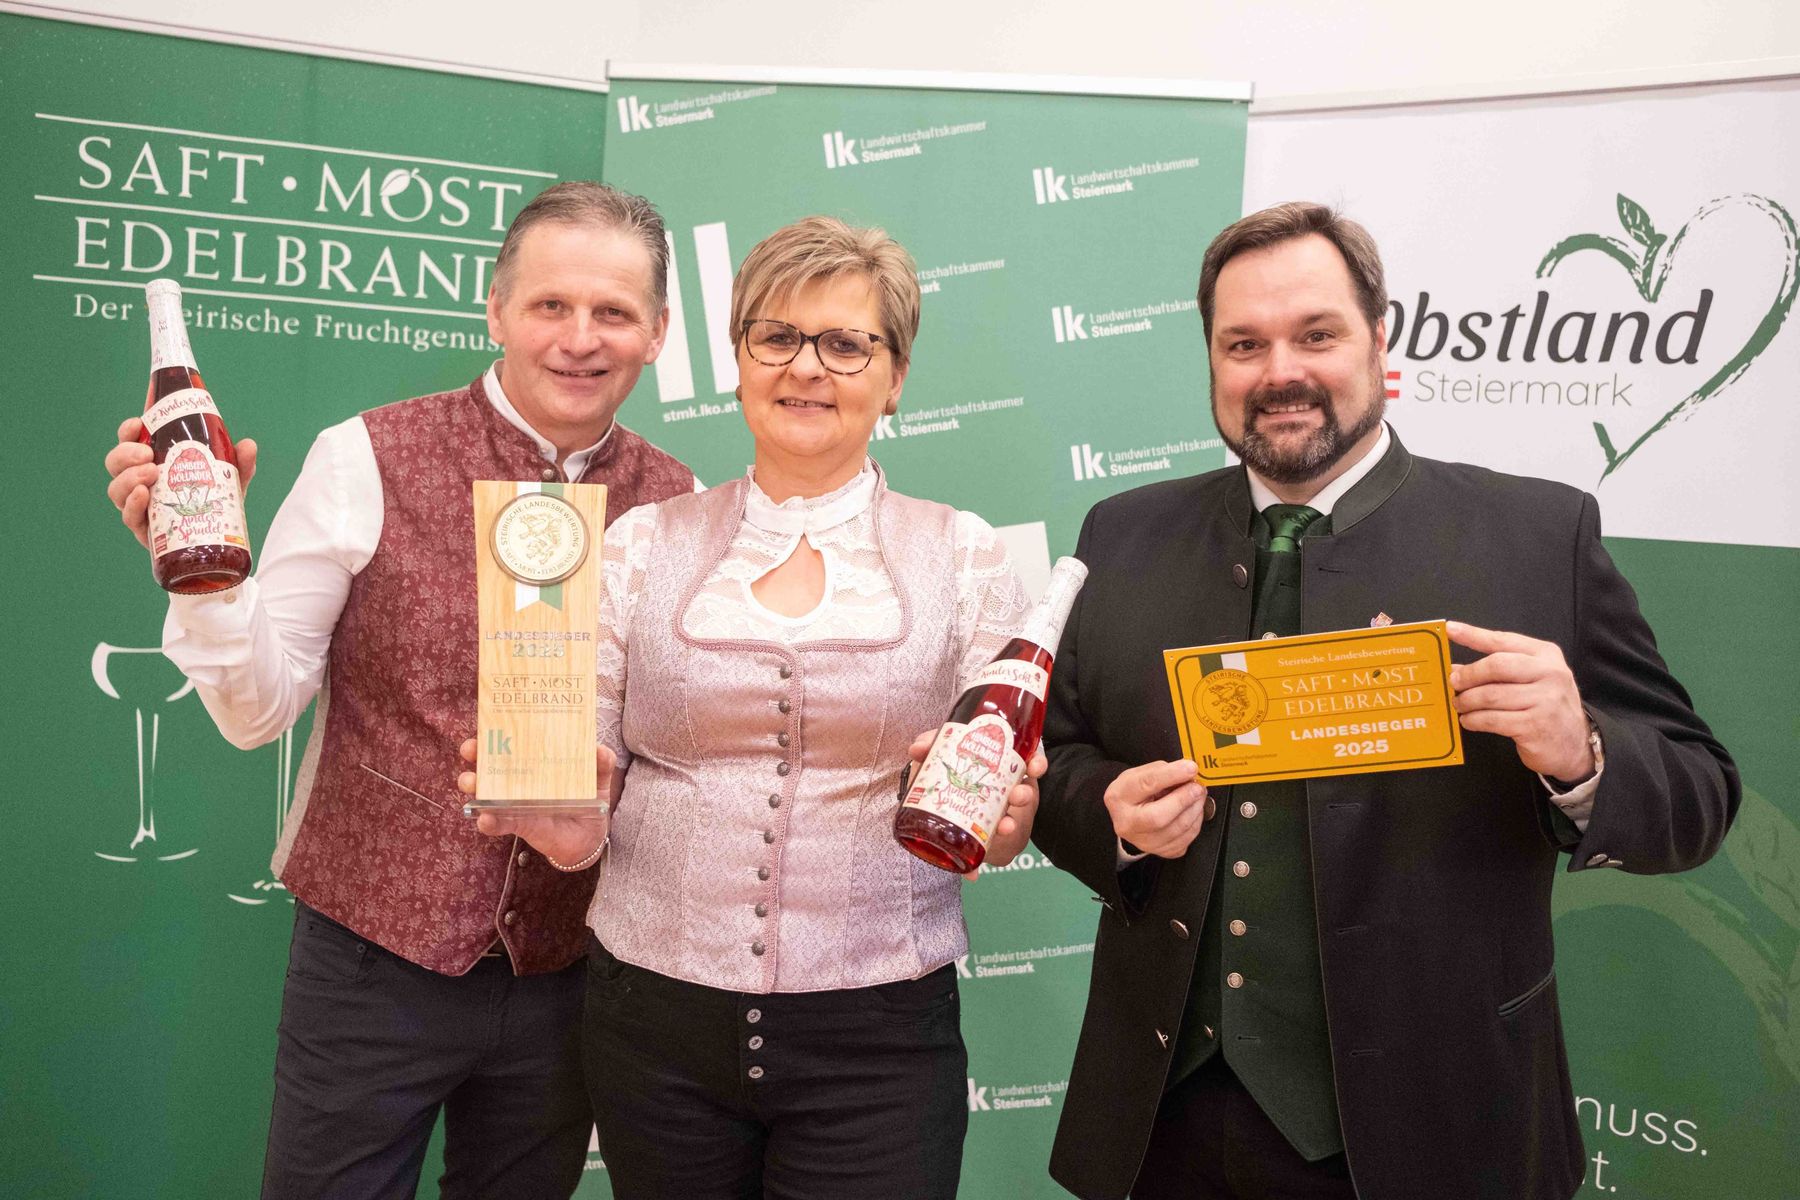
(431, 967)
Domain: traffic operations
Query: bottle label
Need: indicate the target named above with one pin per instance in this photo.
(195, 501)
(968, 773)
(1013, 673)
(176, 405)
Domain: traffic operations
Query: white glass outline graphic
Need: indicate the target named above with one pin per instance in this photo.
(146, 754)
(284, 797)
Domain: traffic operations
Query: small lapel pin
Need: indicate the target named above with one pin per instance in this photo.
(1380, 621)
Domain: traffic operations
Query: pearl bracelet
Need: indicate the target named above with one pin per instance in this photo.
(585, 863)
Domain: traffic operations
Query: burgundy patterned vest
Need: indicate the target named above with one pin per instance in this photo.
(377, 839)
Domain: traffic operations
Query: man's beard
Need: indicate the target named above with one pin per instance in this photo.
(1322, 448)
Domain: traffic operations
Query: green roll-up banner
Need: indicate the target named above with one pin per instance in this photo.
(1059, 360)
(333, 225)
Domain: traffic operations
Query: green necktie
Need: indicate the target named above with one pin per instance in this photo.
(1270, 1023)
(1276, 607)
(1286, 523)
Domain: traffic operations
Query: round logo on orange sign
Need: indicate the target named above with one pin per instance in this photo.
(1230, 701)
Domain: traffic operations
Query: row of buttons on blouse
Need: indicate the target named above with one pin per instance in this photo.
(782, 768)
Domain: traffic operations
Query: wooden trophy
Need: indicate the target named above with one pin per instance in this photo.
(537, 570)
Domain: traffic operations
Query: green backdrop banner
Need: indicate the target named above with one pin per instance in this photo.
(1059, 360)
(333, 225)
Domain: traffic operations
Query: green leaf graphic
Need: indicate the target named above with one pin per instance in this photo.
(1606, 445)
(1637, 222)
(1650, 274)
(1613, 248)
(1764, 847)
(1767, 971)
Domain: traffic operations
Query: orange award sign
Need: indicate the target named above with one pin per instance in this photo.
(1318, 704)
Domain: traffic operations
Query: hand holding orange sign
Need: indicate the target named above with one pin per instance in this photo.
(1316, 705)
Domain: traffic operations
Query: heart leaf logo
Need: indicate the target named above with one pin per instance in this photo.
(1648, 257)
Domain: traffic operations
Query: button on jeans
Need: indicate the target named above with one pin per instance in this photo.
(703, 1093)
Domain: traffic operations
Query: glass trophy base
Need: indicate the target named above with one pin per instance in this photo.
(549, 808)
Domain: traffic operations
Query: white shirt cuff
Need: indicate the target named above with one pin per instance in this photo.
(1577, 803)
(213, 613)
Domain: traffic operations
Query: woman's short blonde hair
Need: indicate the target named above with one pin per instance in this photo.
(817, 248)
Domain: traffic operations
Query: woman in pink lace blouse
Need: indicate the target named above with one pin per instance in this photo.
(772, 1003)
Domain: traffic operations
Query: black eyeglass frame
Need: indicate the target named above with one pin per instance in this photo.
(875, 338)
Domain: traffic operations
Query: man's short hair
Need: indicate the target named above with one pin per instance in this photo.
(584, 202)
(817, 248)
(1283, 222)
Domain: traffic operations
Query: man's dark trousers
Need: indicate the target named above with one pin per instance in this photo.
(372, 1046)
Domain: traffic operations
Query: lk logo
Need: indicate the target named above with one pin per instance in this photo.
(1050, 186)
(1648, 257)
(978, 1101)
(633, 115)
(1068, 325)
(840, 151)
(1087, 464)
